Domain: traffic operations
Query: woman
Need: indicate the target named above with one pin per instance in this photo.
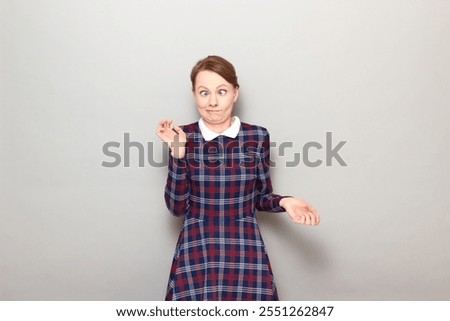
(218, 175)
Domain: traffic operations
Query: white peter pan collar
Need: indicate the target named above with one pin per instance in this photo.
(231, 131)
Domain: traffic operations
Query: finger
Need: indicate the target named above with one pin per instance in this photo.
(317, 217)
(303, 219)
(313, 214)
(162, 124)
(300, 219)
(312, 217)
(177, 129)
(307, 219)
(166, 123)
(160, 130)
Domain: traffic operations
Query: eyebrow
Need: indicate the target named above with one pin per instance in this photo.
(208, 88)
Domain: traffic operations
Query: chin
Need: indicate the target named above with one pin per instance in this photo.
(213, 119)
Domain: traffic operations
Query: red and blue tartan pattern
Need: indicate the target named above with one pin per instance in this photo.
(218, 186)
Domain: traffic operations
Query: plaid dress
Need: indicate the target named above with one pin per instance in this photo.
(217, 187)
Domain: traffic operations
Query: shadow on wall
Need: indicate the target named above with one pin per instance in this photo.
(311, 251)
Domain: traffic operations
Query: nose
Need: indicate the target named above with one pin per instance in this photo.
(213, 100)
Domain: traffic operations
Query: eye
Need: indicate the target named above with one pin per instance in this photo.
(203, 93)
(222, 92)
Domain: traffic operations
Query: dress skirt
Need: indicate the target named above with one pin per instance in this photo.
(221, 260)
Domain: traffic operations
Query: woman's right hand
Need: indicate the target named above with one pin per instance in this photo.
(173, 136)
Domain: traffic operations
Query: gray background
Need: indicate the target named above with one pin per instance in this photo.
(77, 74)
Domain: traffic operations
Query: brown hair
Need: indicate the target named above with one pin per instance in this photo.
(218, 65)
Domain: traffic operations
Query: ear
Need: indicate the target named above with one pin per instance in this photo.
(236, 94)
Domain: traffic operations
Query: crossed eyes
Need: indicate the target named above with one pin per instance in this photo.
(204, 93)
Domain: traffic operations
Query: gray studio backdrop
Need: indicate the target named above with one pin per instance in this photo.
(76, 75)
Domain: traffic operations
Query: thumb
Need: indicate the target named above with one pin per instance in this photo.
(179, 132)
(177, 129)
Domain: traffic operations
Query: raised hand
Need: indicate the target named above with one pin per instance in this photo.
(173, 136)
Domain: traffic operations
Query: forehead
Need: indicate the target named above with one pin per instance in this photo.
(210, 79)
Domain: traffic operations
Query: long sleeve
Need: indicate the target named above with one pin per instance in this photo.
(266, 200)
(176, 192)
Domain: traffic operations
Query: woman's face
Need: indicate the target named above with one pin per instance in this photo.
(214, 97)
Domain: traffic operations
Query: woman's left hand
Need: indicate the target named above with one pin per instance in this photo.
(300, 211)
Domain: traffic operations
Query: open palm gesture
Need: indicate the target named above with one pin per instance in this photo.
(300, 211)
